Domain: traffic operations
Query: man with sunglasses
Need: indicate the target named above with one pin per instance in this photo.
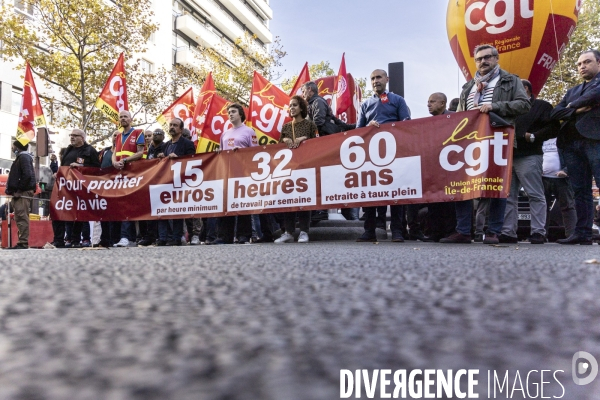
(492, 90)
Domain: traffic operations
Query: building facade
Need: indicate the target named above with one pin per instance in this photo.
(184, 25)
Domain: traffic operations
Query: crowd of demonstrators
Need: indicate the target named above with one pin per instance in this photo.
(556, 154)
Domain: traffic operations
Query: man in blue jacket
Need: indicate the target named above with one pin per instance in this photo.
(579, 140)
(378, 109)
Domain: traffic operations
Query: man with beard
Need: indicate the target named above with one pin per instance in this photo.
(170, 231)
(492, 90)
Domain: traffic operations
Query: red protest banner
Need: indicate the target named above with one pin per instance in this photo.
(113, 97)
(268, 110)
(214, 123)
(182, 108)
(327, 91)
(343, 94)
(202, 103)
(445, 158)
(303, 77)
(31, 114)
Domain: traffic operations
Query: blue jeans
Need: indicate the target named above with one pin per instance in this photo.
(582, 158)
(128, 230)
(170, 230)
(464, 216)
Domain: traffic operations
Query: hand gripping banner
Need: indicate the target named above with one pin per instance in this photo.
(437, 159)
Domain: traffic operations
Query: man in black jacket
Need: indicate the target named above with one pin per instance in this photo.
(579, 141)
(319, 111)
(171, 231)
(531, 130)
(21, 185)
(77, 154)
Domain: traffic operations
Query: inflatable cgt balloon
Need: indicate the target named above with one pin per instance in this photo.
(529, 34)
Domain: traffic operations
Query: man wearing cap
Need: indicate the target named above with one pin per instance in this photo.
(21, 185)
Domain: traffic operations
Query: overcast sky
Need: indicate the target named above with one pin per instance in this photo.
(373, 34)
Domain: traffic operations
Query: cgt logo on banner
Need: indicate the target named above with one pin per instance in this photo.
(436, 159)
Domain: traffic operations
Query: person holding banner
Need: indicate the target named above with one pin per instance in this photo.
(378, 109)
(239, 136)
(170, 231)
(129, 147)
(492, 90)
(293, 134)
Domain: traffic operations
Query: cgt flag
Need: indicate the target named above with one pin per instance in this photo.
(214, 122)
(202, 104)
(31, 114)
(113, 98)
(182, 108)
(303, 77)
(343, 96)
(268, 110)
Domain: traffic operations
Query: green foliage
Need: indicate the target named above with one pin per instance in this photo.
(72, 46)
(585, 37)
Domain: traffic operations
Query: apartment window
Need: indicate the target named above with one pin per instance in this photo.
(15, 100)
(26, 8)
(147, 66)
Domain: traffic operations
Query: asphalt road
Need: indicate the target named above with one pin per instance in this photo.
(281, 321)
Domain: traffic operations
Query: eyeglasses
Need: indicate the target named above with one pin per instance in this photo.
(74, 135)
(486, 58)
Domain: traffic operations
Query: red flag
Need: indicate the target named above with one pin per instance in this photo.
(182, 108)
(214, 122)
(303, 77)
(113, 98)
(343, 97)
(202, 103)
(268, 110)
(31, 114)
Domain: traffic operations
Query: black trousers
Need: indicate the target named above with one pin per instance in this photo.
(227, 225)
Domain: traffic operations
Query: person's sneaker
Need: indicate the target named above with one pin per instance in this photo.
(491, 238)
(124, 242)
(367, 237)
(75, 245)
(457, 238)
(478, 238)
(195, 240)
(86, 243)
(145, 242)
(67, 244)
(303, 238)
(398, 238)
(264, 239)
(132, 244)
(58, 245)
(507, 239)
(537, 238)
(243, 240)
(285, 238)
(161, 243)
(173, 243)
(19, 246)
(216, 242)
